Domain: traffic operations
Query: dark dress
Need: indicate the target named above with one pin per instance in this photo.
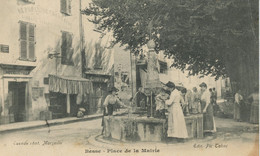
(208, 119)
(208, 124)
(254, 113)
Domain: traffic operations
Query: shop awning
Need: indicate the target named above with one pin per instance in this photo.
(70, 85)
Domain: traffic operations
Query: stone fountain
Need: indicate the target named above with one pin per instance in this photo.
(134, 127)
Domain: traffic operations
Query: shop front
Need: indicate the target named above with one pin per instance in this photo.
(101, 83)
(67, 95)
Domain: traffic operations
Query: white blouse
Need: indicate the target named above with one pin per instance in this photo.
(205, 96)
(175, 98)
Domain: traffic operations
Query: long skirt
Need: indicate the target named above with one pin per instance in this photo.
(236, 111)
(245, 112)
(254, 114)
(176, 122)
(208, 118)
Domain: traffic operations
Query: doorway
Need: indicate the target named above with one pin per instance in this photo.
(58, 105)
(97, 98)
(17, 100)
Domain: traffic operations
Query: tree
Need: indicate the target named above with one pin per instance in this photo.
(208, 37)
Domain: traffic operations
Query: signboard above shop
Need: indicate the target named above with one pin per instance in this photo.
(14, 69)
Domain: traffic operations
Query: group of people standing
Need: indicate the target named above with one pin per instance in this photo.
(245, 108)
(180, 102)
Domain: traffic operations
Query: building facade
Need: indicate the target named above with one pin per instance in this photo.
(167, 73)
(42, 44)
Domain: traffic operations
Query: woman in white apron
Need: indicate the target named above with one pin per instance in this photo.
(176, 122)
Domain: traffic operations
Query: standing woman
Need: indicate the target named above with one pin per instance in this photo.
(207, 109)
(176, 122)
(110, 104)
(254, 99)
(237, 106)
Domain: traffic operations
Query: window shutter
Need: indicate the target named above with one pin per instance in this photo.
(66, 48)
(23, 45)
(63, 6)
(69, 50)
(23, 31)
(32, 51)
(69, 40)
(70, 54)
(31, 42)
(69, 7)
(23, 40)
(63, 47)
(31, 32)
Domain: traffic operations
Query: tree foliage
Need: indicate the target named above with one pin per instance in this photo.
(208, 37)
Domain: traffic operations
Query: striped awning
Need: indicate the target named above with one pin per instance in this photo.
(70, 85)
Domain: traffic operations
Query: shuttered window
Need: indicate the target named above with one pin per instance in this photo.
(65, 7)
(66, 49)
(27, 41)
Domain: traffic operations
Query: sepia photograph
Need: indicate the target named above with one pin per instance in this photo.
(129, 77)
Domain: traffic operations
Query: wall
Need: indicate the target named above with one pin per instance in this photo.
(49, 23)
(177, 76)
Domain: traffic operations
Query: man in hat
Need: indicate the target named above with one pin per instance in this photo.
(170, 85)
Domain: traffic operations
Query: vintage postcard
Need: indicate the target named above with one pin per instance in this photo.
(129, 77)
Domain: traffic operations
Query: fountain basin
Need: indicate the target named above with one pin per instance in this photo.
(134, 128)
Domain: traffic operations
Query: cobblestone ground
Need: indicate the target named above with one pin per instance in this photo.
(232, 138)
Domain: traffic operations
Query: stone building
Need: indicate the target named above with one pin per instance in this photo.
(41, 53)
(167, 73)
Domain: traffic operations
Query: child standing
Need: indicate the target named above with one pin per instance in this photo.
(160, 103)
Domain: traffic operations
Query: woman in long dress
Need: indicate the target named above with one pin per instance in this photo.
(237, 106)
(254, 113)
(176, 122)
(207, 109)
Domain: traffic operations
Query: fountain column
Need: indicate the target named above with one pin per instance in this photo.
(152, 83)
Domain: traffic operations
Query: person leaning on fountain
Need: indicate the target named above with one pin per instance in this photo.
(110, 103)
(176, 122)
